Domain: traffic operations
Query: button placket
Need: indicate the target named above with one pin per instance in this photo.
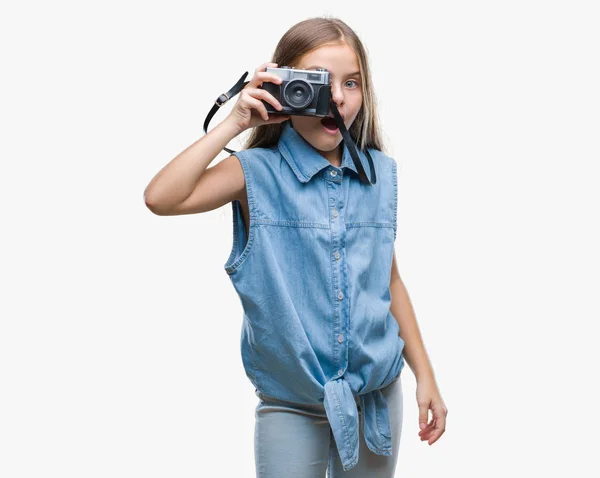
(338, 229)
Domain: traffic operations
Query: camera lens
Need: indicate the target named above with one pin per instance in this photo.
(298, 93)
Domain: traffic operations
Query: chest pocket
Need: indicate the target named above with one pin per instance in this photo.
(374, 205)
(286, 201)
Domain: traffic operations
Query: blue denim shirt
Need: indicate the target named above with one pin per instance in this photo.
(313, 277)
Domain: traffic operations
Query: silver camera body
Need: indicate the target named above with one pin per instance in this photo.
(302, 92)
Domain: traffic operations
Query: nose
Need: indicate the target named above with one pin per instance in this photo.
(337, 96)
(337, 104)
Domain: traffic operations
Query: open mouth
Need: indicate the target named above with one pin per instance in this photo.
(329, 123)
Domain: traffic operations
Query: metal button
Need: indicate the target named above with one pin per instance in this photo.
(340, 338)
(337, 255)
(335, 213)
(340, 295)
(341, 371)
(333, 172)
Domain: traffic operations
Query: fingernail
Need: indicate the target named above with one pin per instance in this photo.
(421, 425)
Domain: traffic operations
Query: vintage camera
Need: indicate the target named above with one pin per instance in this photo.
(302, 92)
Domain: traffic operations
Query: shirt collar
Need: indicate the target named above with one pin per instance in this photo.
(303, 158)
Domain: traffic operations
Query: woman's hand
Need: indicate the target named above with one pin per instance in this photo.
(249, 111)
(428, 398)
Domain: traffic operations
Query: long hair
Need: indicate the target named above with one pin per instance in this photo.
(303, 38)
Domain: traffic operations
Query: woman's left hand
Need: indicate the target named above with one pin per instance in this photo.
(428, 398)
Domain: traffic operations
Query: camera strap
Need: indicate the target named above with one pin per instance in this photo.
(239, 86)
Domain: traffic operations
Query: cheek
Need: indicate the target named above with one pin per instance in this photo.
(355, 107)
(359, 101)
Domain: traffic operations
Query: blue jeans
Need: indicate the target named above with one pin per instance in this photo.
(292, 440)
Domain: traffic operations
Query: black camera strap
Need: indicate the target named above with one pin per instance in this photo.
(239, 86)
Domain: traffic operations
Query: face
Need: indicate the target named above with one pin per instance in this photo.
(342, 64)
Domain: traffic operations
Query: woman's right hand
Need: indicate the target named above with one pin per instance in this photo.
(249, 111)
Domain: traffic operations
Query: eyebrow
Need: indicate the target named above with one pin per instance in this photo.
(356, 73)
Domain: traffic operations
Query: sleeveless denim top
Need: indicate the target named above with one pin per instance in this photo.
(313, 276)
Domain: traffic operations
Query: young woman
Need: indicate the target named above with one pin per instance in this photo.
(327, 321)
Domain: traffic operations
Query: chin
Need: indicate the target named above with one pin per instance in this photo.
(324, 141)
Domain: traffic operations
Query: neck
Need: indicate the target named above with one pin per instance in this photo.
(334, 156)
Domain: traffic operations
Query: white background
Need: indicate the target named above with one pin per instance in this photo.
(119, 338)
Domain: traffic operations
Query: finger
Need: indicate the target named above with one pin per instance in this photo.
(436, 434)
(267, 97)
(255, 81)
(259, 106)
(439, 428)
(262, 77)
(426, 432)
(272, 77)
(439, 424)
(264, 66)
(259, 92)
(429, 425)
(423, 411)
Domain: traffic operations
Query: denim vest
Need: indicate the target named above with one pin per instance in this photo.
(313, 277)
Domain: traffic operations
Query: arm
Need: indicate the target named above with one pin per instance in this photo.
(402, 310)
(186, 185)
(428, 395)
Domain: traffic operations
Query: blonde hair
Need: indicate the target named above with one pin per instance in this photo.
(303, 38)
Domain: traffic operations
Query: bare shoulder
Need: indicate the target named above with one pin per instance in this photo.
(231, 168)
